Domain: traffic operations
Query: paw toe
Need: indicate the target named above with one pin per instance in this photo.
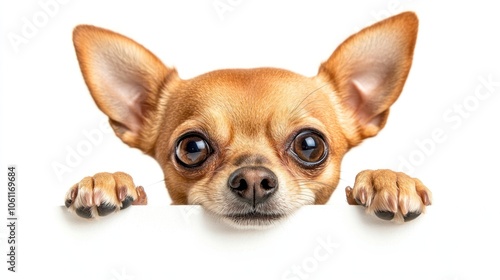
(127, 202)
(84, 212)
(411, 216)
(385, 215)
(71, 196)
(105, 209)
(359, 201)
(68, 202)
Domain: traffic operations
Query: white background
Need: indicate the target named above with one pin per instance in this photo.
(46, 113)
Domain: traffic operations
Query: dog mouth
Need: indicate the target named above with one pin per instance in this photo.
(254, 219)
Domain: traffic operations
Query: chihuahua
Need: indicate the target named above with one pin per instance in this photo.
(251, 146)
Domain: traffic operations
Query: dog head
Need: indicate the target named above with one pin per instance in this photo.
(249, 145)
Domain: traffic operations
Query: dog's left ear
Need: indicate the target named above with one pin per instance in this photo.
(368, 72)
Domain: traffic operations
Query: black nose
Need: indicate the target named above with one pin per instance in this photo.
(253, 184)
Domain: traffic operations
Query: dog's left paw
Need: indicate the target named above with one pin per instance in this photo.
(389, 195)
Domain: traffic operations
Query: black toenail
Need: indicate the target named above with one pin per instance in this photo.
(105, 209)
(127, 202)
(385, 215)
(84, 212)
(359, 202)
(68, 203)
(411, 216)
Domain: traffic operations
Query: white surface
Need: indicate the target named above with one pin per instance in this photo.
(319, 242)
(46, 114)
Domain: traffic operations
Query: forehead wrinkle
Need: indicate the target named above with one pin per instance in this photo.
(214, 122)
(243, 112)
(253, 104)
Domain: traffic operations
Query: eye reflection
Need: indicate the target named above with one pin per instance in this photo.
(309, 148)
(192, 151)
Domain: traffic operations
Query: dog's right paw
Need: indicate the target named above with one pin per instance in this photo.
(389, 195)
(104, 193)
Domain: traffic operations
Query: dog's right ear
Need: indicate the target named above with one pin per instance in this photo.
(368, 72)
(125, 79)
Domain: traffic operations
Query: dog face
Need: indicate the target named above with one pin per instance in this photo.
(246, 171)
(249, 145)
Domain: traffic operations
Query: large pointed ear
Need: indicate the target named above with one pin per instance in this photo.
(369, 69)
(125, 80)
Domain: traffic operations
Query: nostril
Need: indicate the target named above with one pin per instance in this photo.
(241, 186)
(267, 184)
(238, 183)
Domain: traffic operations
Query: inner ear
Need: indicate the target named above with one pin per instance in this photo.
(368, 92)
(120, 92)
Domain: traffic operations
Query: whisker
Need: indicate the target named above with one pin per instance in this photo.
(305, 98)
(154, 183)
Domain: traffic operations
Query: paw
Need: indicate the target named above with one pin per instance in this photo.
(103, 194)
(389, 195)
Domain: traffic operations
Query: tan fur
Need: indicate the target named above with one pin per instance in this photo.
(250, 117)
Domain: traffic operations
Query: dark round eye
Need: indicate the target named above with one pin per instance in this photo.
(309, 148)
(192, 151)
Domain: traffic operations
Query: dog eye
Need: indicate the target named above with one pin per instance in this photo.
(192, 151)
(309, 148)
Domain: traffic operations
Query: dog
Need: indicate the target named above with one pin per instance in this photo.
(251, 146)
